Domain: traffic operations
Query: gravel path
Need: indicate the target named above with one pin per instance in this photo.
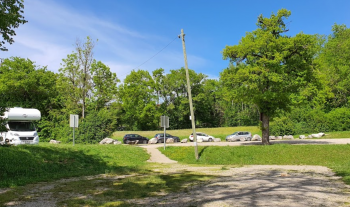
(258, 185)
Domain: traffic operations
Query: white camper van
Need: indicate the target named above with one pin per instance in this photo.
(21, 130)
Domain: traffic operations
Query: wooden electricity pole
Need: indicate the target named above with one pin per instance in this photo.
(190, 96)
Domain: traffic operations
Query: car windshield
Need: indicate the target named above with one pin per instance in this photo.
(21, 126)
(235, 133)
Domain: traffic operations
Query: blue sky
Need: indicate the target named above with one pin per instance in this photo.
(129, 32)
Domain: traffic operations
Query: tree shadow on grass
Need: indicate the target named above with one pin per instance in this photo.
(25, 164)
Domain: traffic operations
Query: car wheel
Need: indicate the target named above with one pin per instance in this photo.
(210, 140)
(144, 141)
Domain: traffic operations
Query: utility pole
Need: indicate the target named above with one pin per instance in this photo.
(190, 96)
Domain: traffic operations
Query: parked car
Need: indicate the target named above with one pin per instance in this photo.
(160, 137)
(203, 136)
(133, 137)
(238, 136)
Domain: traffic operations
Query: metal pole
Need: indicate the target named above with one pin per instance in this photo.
(73, 129)
(164, 133)
(190, 97)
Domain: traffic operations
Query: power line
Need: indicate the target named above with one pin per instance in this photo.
(156, 53)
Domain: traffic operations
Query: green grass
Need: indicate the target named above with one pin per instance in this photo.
(336, 157)
(25, 164)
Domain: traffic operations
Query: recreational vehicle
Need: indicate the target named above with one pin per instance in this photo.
(21, 129)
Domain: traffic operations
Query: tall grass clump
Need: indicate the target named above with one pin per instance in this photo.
(28, 164)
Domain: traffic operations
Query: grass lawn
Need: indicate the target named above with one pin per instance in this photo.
(336, 157)
(33, 163)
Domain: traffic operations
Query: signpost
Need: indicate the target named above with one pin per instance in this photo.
(164, 122)
(73, 122)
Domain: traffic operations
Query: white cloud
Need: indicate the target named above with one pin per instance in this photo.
(52, 30)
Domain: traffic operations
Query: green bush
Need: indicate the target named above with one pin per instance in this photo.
(307, 121)
(282, 126)
(96, 126)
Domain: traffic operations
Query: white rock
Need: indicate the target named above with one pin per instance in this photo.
(279, 137)
(230, 139)
(316, 135)
(321, 134)
(52, 141)
(256, 137)
(117, 142)
(153, 141)
(217, 140)
(169, 140)
(272, 137)
(309, 136)
(288, 137)
(107, 141)
(302, 137)
(184, 141)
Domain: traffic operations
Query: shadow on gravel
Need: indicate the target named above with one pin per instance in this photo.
(287, 142)
(262, 188)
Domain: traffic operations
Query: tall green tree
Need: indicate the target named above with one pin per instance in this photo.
(268, 66)
(139, 101)
(335, 65)
(11, 16)
(24, 84)
(104, 85)
(75, 80)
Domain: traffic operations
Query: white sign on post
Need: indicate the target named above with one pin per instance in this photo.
(164, 122)
(73, 122)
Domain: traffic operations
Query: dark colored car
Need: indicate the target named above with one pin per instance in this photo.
(160, 137)
(133, 137)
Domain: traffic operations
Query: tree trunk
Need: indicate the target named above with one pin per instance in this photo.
(265, 128)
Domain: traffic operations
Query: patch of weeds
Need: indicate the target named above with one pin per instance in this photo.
(225, 168)
(15, 194)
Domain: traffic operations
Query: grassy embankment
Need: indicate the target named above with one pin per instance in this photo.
(29, 164)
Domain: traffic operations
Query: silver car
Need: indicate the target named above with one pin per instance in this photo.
(239, 136)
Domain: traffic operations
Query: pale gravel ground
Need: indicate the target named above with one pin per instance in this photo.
(258, 185)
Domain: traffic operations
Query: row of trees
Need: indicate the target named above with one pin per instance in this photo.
(300, 83)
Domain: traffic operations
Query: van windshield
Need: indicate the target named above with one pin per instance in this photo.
(21, 126)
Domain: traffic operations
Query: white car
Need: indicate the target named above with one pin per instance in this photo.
(203, 136)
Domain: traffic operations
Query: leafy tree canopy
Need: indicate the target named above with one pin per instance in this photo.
(11, 16)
